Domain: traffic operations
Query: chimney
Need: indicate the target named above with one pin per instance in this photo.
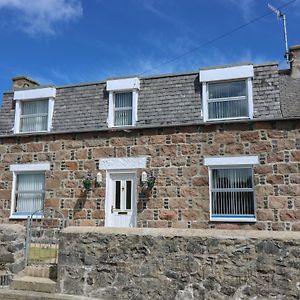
(295, 61)
(21, 82)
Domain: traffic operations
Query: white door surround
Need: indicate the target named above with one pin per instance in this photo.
(121, 190)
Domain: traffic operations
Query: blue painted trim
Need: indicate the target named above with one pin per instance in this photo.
(25, 214)
(233, 216)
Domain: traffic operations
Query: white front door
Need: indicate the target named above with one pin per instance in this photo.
(120, 204)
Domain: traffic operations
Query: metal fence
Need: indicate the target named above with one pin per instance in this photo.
(42, 233)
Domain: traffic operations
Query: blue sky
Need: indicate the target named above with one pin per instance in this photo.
(72, 41)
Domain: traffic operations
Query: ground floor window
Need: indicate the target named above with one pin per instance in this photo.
(28, 193)
(231, 186)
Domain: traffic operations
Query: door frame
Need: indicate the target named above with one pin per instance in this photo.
(121, 165)
(109, 195)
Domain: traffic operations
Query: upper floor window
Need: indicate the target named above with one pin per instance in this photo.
(34, 116)
(227, 93)
(123, 109)
(123, 100)
(231, 187)
(34, 110)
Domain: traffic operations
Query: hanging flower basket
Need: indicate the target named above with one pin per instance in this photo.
(150, 182)
(87, 182)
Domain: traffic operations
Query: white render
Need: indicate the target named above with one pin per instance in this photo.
(231, 160)
(123, 84)
(125, 163)
(30, 167)
(49, 92)
(226, 73)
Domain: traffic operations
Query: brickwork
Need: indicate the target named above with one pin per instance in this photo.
(180, 197)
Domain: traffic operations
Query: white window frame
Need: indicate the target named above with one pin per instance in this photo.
(221, 162)
(33, 95)
(227, 74)
(23, 169)
(125, 85)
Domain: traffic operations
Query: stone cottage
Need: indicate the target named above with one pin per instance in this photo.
(214, 148)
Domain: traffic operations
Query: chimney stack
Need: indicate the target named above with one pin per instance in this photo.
(21, 82)
(295, 61)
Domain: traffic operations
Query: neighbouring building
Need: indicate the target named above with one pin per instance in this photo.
(215, 148)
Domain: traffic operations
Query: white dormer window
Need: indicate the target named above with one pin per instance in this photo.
(123, 99)
(34, 110)
(227, 93)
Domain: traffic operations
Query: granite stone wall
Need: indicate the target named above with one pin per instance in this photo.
(144, 263)
(12, 245)
(180, 197)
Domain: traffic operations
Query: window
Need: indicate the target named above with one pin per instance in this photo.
(232, 196)
(123, 200)
(34, 116)
(28, 192)
(227, 93)
(122, 109)
(227, 100)
(34, 110)
(123, 99)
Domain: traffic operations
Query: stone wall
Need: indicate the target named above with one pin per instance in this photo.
(12, 239)
(180, 197)
(144, 263)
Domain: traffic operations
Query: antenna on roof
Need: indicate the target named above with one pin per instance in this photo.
(281, 15)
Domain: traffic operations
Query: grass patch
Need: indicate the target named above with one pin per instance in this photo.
(42, 253)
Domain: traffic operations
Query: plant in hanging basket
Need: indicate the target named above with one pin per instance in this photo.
(87, 182)
(150, 182)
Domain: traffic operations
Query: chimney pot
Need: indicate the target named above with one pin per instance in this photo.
(21, 82)
(295, 61)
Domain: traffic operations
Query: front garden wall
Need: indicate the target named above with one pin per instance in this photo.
(179, 264)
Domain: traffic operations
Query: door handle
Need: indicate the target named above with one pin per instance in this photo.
(112, 209)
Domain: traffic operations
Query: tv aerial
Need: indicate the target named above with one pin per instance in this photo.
(281, 16)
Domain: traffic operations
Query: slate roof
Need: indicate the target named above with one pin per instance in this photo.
(173, 99)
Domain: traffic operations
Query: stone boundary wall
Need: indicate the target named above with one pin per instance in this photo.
(146, 263)
(12, 245)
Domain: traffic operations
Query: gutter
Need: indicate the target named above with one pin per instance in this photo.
(130, 129)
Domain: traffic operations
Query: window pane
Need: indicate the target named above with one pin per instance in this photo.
(123, 109)
(232, 192)
(228, 109)
(35, 107)
(118, 195)
(123, 117)
(34, 116)
(232, 178)
(232, 203)
(30, 192)
(123, 100)
(34, 123)
(227, 89)
(128, 194)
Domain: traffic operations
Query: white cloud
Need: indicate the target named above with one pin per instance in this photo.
(246, 6)
(42, 16)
